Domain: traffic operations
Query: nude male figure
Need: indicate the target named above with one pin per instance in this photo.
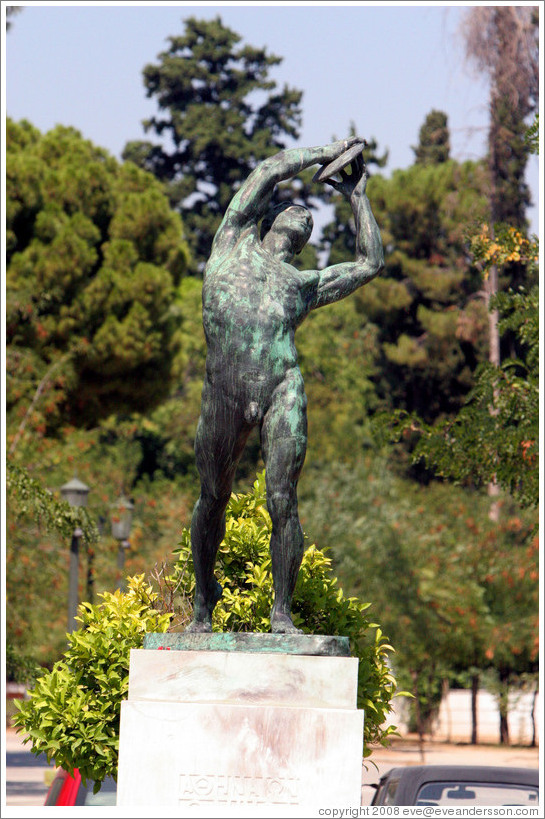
(253, 302)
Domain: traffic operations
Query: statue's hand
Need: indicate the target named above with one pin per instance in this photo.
(335, 150)
(353, 183)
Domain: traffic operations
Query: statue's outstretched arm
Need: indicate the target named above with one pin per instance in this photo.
(250, 202)
(340, 280)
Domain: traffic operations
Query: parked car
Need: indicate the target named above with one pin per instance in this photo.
(70, 790)
(459, 786)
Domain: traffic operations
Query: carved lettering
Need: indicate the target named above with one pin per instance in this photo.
(200, 789)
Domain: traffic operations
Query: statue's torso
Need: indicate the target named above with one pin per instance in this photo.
(252, 305)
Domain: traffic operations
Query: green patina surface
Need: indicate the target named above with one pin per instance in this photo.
(309, 644)
(253, 300)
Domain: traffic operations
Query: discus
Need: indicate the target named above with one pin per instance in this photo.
(327, 171)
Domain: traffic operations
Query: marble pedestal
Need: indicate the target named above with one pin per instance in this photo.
(240, 732)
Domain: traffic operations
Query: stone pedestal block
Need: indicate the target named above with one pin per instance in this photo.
(221, 733)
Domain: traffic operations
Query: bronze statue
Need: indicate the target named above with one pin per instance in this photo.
(253, 302)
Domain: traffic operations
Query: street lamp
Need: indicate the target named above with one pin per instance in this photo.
(75, 493)
(121, 517)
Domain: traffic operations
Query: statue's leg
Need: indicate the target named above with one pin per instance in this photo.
(218, 447)
(284, 440)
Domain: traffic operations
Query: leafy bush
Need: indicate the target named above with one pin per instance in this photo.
(73, 712)
(319, 605)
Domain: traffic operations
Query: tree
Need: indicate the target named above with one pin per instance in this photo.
(434, 140)
(494, 440)
(503, 43)
(220, 114)
(434, 566)
(94, 258)
(495, 435)
(426, 305)
(10, 11)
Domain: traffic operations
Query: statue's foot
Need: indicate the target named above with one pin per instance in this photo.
(282, 624)
(202, 619)
(199, 627)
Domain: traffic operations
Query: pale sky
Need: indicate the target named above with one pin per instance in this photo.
(381, 66)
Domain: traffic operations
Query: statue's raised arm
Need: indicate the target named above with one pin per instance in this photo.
(251, 201)
(342, 279)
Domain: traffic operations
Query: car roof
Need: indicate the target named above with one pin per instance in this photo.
(412, 778)
(473, 773)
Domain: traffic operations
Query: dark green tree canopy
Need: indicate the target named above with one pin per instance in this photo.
(425, 307)
(94, 259)
(219, 115)
(434, 140)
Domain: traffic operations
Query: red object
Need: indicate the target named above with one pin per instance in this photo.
(68, 789)
(64, 788)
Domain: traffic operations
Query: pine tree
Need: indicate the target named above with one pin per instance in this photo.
(219, 115)
(434, 140)
(94, 259)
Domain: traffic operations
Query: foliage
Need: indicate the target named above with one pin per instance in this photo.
(503, 43)
(73, 711)
(56, 515)
(426, 304)
(532, 135)
(495, 436)
(434, 140)
(20, 668)
(434, 565)
(108, 459)
(219, 115)
(319, 604)
(94, 257)
(10, 11)
(338, 353)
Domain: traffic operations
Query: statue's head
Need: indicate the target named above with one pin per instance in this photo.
(292, 221)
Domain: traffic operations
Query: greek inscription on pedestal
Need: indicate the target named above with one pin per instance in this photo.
(200, 789)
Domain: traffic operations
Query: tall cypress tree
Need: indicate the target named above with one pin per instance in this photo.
(503, 43)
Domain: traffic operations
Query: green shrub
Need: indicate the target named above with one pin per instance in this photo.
(319, 605)
(73, 712)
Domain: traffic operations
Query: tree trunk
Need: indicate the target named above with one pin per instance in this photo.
(474, 694)
(445, 686)
(491, 290)
(418, 716)
(533, 715)
(504, 707)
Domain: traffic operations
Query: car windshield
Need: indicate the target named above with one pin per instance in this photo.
(463, 794)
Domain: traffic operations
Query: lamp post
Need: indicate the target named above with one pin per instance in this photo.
(121, 515)
(75, 493)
